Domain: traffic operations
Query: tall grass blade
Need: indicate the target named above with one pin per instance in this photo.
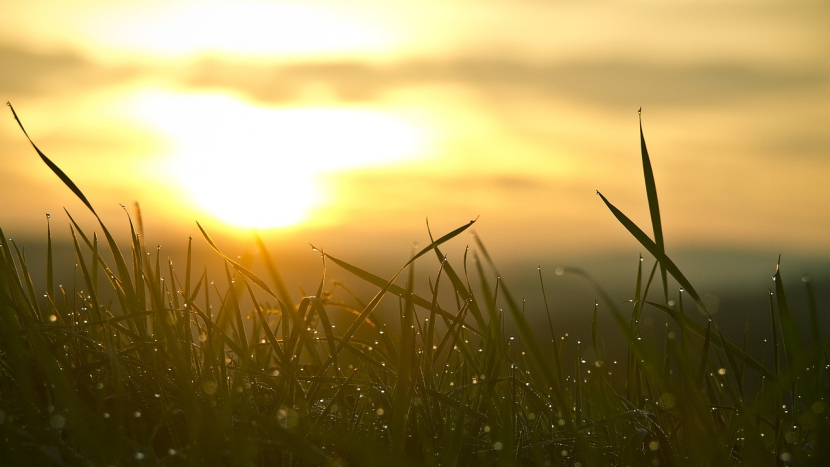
(792, 341)
(653, 206)
(776, 352)
(50, 269)
(282, 291)
(704, 356)
(402, 395)
(64, 178)
(272, 340)
(27, 281)
(119, 259)
(656, 252)
(237, 266)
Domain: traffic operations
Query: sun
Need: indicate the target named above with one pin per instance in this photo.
(254, 166)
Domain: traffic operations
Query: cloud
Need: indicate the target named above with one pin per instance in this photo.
(27, 73)
(600, 82)
(502, 185)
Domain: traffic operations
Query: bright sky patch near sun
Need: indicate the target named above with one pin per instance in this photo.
(256, 166)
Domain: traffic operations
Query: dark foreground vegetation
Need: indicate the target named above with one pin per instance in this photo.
(137, 363)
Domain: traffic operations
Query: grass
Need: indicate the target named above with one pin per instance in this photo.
(142, 364)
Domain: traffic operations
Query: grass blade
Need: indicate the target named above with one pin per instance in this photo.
(658, 254)
(653, 206)
(64, 178)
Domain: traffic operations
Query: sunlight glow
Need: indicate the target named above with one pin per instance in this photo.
(249, 28)
(254, 166)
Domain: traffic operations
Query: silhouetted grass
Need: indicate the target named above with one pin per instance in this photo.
(181, 367)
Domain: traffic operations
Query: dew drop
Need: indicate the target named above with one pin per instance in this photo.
(57, 422)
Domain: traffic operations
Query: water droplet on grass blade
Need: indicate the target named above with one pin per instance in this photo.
(57, 422)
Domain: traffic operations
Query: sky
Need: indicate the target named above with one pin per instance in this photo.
(348, 124)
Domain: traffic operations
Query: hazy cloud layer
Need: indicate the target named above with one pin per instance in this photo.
(25, 72)
(603, 83)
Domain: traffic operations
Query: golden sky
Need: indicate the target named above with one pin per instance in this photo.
(347, 124)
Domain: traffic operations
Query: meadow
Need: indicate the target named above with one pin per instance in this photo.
(138, 363)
